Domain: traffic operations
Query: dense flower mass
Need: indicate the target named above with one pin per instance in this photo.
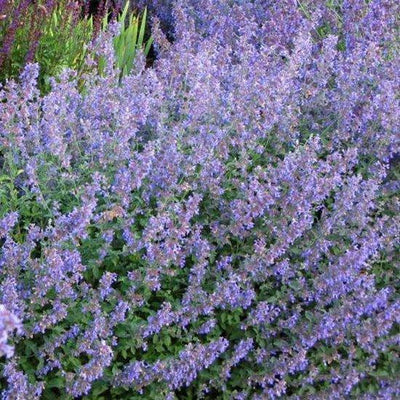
(221, 225)
(8, 323)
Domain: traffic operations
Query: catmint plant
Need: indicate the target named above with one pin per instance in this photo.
(223, 224)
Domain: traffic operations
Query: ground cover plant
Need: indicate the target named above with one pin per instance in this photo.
(221, 225)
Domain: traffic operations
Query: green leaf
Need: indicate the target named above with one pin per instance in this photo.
(5, 178)
(142, 28)
(167, 341)
(98, 388)
(124, 13)
(148, 45)
(56, 382)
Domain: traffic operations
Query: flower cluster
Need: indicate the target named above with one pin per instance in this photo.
(8, 323)
(222, 224)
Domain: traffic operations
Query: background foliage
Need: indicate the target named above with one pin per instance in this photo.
(57, 35)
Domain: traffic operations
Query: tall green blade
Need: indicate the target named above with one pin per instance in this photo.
(148, 45)
(142, 28)
(124, 14)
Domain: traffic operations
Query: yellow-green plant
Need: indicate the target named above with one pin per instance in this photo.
(58, 38)
(63, 43)
(55, 37)
(130, 39)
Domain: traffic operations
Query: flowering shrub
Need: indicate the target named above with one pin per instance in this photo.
(223, 225)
